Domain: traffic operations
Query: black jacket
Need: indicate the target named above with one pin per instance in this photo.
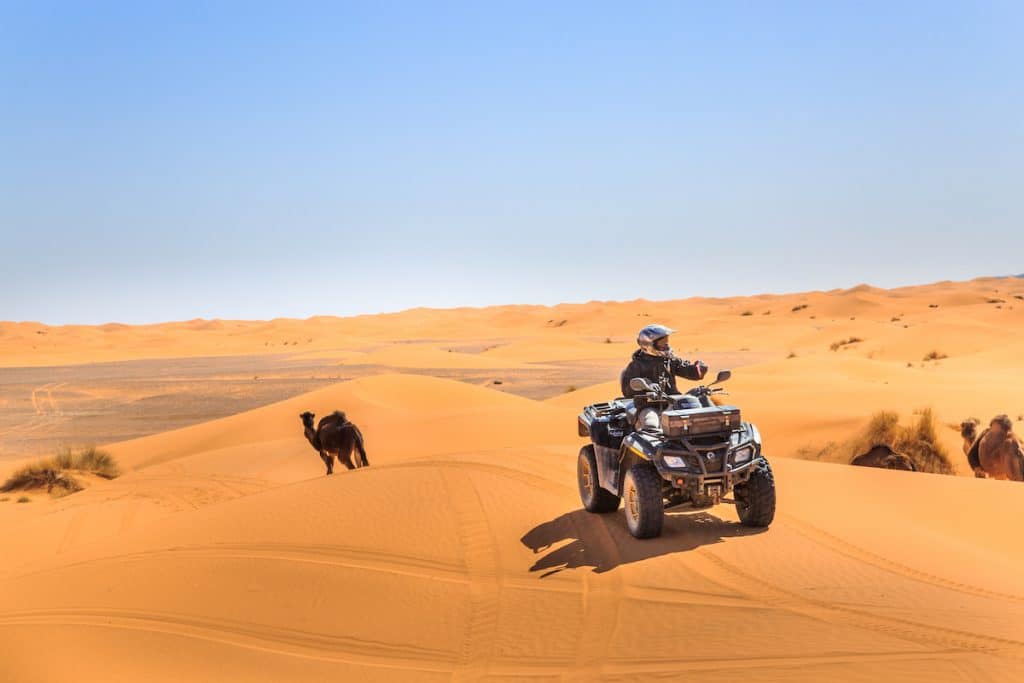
(659, 370)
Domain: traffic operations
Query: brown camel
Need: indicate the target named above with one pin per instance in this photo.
(969, 430)
(335, 435)
(883, 456)
(998, 451)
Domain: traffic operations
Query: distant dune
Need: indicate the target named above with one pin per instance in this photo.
(224, 553)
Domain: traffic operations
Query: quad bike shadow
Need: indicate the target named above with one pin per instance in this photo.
(603, 542)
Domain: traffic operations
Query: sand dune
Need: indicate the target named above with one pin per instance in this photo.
(224, 553)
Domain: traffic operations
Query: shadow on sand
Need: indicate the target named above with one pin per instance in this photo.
(603, 542)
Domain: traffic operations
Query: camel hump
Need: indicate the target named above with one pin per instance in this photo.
(335, 419)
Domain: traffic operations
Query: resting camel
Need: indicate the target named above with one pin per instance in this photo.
(997, 451)
(335, 435)
(883, 456)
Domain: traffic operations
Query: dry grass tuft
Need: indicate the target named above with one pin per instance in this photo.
(799, 308)
(917, 440)
(746, 313)
(835, 346)
(24, 499)
(935, 355)
(54, 474)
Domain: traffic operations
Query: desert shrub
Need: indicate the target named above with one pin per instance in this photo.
(933, 305)
(100, 463)
(935, 355)
(746, 313)
(918, 440)
(995, 301)
(54, 474)
(571, 388)
(792, 354)
(799, 307)
(826, 453)
(24, 499)
(834, 346)
(41, 475)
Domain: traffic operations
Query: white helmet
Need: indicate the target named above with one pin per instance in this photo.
(651, 334)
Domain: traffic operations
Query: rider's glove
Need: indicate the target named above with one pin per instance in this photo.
(702, 368)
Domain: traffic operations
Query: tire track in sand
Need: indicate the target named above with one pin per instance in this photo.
(480, 556)
(262, 637)
(722, 572)
(601, 600)
(39, 403)
(336, 555)
(504, 471)
(854, 552)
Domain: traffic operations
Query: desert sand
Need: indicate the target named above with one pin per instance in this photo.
(224, 553)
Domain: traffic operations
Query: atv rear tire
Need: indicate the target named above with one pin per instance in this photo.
(595, 498)
(755, 500)
(643, 502)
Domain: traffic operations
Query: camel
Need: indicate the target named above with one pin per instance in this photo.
(998, 451)
(335, 435)
(969, 431)
(885, 457)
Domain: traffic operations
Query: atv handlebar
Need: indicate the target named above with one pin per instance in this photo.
(655, 393)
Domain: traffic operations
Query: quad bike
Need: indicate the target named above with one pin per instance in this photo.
(701, 453)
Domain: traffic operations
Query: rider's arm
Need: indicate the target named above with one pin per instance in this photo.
(687, 370)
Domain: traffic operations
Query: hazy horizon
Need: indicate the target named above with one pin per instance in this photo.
(511, 303)
(253, 162)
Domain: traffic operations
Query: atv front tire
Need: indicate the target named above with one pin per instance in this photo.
(644, 505)
(755, 500)
(595, 498)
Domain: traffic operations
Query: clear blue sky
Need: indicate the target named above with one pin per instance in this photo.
(246, 161)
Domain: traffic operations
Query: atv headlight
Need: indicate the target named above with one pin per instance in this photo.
(743, 454)
(673, 461)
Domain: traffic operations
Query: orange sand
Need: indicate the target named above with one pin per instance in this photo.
(224, 553)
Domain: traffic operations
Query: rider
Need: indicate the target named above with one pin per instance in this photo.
(655, 362)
